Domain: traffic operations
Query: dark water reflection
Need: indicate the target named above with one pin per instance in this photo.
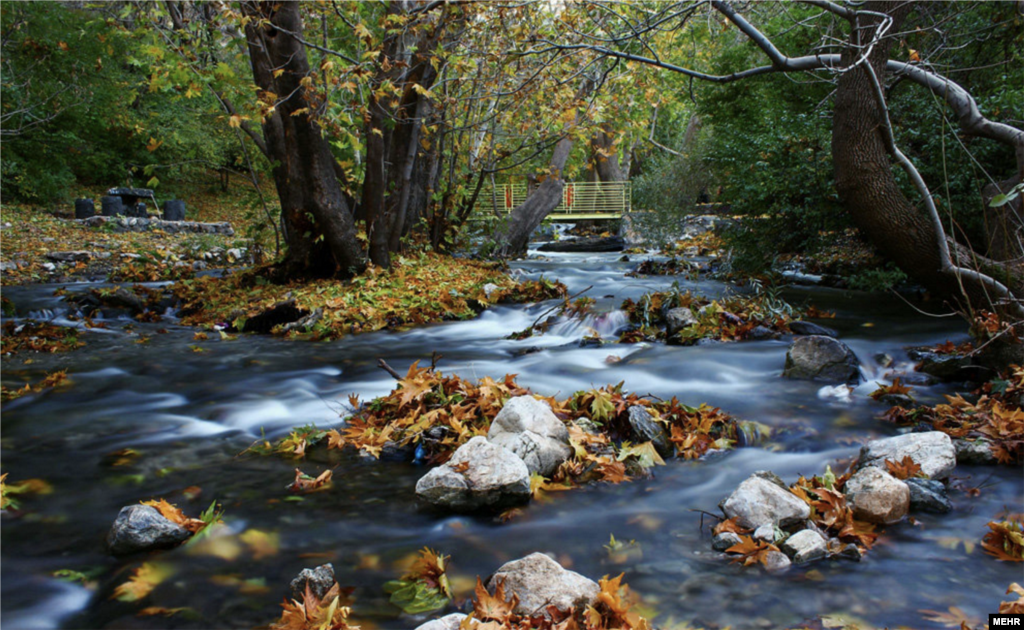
(190, 414)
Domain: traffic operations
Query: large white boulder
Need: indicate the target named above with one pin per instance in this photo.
(480, 475)
(527, 427)
(933, 451)
(758, 501)
(539, 582)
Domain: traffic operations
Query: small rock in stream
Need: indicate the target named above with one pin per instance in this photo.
(527, 427)
(810, 328)
(974, 452)
(647, 429)
(479, 476)
(448, 622)
(320, 580)
(821, 358)
(143, 528)
(805, 546)
(928, 495)
(723, 541)
(758, 501)
(539, 582)
(877, 497)
(931, 450)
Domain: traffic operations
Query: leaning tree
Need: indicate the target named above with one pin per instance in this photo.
(856, 55)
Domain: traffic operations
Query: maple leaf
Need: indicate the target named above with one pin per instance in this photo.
(953, 617)
(730, 525)
(304, 483)
(487, 607)
(142, 582)
(1005, 541)
(907, 468)
(314, 613)
(1013, 607)
(175, 515)
(414, 386)
(751, 551)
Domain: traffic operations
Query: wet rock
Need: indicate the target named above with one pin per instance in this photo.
(647, 429)
(527, 427)
(281, 313)
(448, 622)
(877, 497)
(723, 541)
(320, 580)
(805, 546)
(974, 452)
(539, 582)
(304, 323)
(765, 532)
(143, 528)
(897, 400)
(810, 328)
(931, 450)
(677, 319)
(928, 495)
(768, 475)
(758, 501)
(820, 358)
(777, 562)
(48, 266)
(490, 288)
(851, 552)
(479, 476)
(596, 244)
(76, 256)
(123, 298)
(883, 359)
(759, 333)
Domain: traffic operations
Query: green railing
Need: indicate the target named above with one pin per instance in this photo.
(580, 200)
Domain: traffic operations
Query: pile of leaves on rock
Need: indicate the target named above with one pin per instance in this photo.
(995, 419)
(418, 289)
(429, 415)
(425, 588)
(847, 537)
(683, 318)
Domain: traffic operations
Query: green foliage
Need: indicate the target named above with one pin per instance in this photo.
(87, 100)
(878, 278)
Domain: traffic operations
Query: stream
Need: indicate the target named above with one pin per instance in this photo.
(190, 415)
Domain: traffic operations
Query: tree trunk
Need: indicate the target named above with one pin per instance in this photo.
(514, 236)
(868, 190)
(321, 233)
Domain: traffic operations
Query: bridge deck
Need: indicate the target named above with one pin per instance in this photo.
(580, 201)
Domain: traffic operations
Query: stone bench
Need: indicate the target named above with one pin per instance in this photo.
(126, 202)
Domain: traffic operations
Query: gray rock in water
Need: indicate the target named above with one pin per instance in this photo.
(877, 497)
(932, 450)
(647, 429)
(820, 358)
(320, 580)
(527, 427)
(757, 502)
(143, 528)
(974, 452)
(448, 622)
(723, 541)
(765, 532)
(75, 256)
(777, 562)
(539, 582)
(851, 552)
(479, 476)
(805, 546)
(810, 328)
(677, 319)
(928, 495)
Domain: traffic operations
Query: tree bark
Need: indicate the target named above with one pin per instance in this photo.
(514, 236)
(320, 231)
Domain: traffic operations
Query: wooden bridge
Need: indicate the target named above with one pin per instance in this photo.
(580, 201)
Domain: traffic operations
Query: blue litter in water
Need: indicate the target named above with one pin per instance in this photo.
(420, 452)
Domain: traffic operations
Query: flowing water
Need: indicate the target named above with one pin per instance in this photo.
(190, 414)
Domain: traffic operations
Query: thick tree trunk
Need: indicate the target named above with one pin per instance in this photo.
(901, 232)
(313, 205)
(605, 157)
(513, 237)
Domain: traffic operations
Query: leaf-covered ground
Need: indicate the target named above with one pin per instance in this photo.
(418, 289)
(36, 231)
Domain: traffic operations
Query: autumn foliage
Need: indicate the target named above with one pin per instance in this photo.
(995, 417)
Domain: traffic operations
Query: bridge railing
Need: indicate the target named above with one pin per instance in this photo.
(580, 200)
